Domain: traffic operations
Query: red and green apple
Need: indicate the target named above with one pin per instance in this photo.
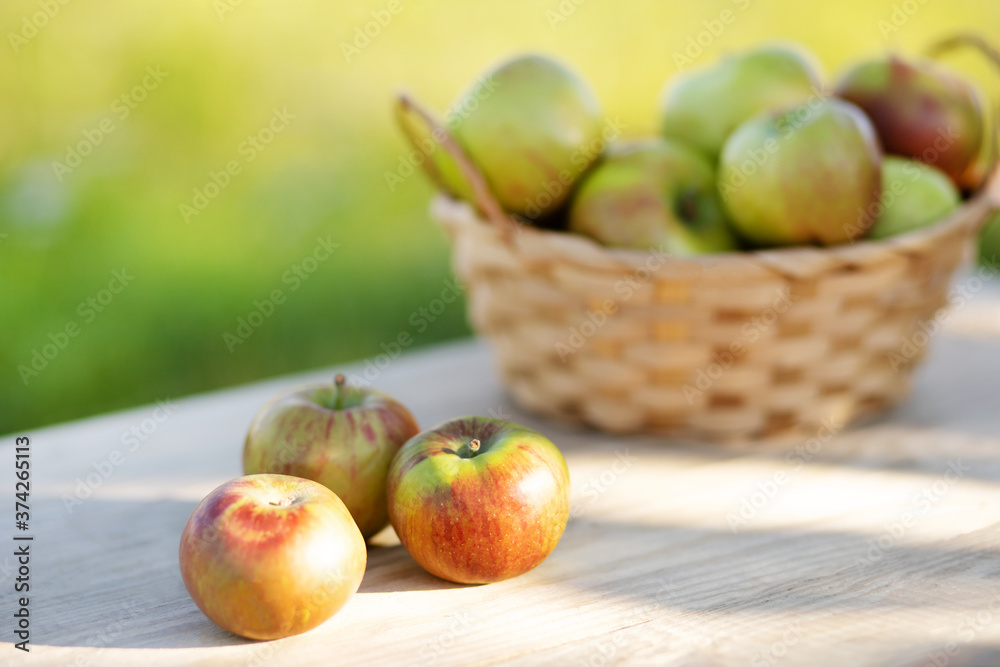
(270, 556)
(339, 435)
(654, 194)
(920, 110)
(477, 500)
(801, 175)
(704, 106)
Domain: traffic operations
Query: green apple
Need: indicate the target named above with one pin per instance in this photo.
(656, 194)
(477, 500)
(270, 556)
(341, 436)
(920, 110)
(703, 107)
(914, 195)
(532, 127)
(800, 176)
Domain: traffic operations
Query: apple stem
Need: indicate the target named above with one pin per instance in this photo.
(338, 391)
(474, 445)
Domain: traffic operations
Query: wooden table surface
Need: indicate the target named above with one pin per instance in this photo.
(878, 545)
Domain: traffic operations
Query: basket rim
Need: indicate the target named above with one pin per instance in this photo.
(969, 214)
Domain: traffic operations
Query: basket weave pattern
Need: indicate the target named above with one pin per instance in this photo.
(712, 347)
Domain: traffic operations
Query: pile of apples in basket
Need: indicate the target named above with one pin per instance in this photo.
(755, 151)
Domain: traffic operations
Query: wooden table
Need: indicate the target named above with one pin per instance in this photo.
(878, 545)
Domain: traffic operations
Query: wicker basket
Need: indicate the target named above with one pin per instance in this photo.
(713, 347)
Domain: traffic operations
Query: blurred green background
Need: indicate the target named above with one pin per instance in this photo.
(224, 67)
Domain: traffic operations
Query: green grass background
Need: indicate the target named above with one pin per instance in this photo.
(322, 176)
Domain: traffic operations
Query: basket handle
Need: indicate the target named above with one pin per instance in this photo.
(485, 201)
(989, 188)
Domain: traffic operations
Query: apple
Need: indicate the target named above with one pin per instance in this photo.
(341, 436)
(530, 124)
(657, 194)
(703, 107)
(976, 174)
(801, 176)
(914, 195)
(989, 242)
(270, 556)
(477, 500)
(919, 110)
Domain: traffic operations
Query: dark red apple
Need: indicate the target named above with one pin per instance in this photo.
(920, 110)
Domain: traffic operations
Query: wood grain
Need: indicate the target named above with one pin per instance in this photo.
(860, 548)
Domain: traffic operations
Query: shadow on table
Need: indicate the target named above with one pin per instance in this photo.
(124, 566)
(121, 587)
(694, 583)
(972, 655)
